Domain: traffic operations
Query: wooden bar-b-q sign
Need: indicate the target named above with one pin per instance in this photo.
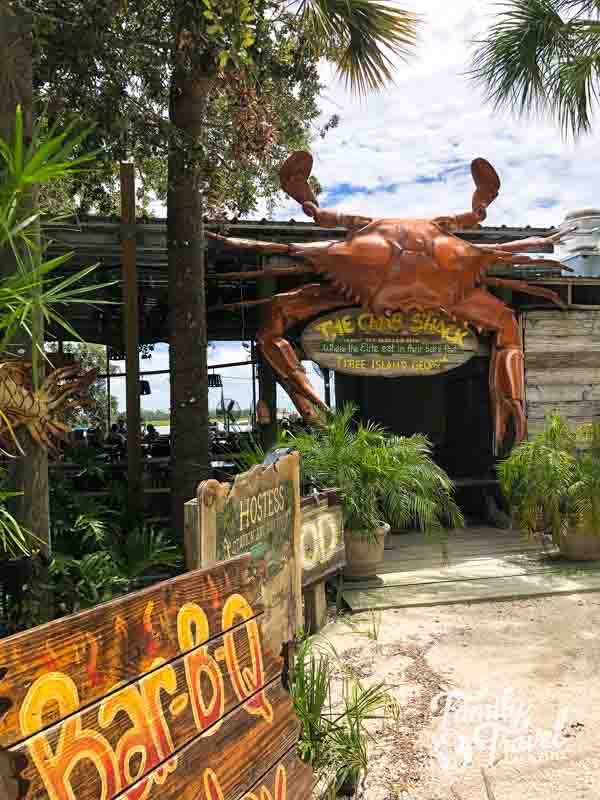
(172, 693)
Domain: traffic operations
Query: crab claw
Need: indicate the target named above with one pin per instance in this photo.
(487, 185)
(293, 176)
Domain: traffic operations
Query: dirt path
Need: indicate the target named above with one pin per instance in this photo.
(498, 701)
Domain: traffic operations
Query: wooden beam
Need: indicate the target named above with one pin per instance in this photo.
(131, 325)
(267, 383)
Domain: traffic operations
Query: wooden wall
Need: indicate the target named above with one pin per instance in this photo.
(562, 365)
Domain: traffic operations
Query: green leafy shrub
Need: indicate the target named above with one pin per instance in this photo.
(552, 482)
(382, 477)
(334, 744)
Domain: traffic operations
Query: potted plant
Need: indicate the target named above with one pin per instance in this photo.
(384, 480)
(552, 484)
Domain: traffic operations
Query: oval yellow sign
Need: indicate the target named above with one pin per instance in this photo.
(358, 342)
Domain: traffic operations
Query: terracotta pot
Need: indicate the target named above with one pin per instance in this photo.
(364, 554)
(577, 545)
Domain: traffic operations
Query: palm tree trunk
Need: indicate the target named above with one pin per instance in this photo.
(187, 307)
(29, 473)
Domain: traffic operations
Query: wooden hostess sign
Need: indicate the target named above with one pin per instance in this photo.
(358, 342)
(172, 693)
(259, 514)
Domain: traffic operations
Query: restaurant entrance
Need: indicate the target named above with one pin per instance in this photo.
(451, 408)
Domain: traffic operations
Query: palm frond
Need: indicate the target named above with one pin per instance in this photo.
(381, 477)
(361, 37)
(543, 56)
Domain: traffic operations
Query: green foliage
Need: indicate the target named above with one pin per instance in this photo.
(85, 582)
(362, 37)
(252, 455)
(551, 483)
(333, 743)
(535, 479)
(99, 552)
(33, 292)
(543, 56)
(14, 540)
(584, 492)
(381, 477)
(114, 64)
(116, 67)
(143, 549)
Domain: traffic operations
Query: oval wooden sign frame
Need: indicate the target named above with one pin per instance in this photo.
(357, 342)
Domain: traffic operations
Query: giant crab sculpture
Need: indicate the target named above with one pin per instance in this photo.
(391, 265)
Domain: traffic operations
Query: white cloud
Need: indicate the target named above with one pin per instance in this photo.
(433, 115)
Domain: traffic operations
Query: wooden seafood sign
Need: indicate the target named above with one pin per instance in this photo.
(358, 342)
(172, 693)
(322, 537)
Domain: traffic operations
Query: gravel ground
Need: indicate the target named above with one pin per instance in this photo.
(496, 700)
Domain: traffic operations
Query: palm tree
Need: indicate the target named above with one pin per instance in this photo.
(543, 56)
(361, 37)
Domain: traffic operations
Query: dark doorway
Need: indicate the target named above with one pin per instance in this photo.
(453, 409)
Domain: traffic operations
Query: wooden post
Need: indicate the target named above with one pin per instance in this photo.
(108, 417)
(131, 322)
(253, 359)
(315, 607)
(267, 383)
(327, 385)
(28, 474)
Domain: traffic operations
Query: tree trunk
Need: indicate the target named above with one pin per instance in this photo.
(29, 473)
(187, 306)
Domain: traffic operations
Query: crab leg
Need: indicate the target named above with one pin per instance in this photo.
(487, 186)
(526, 288)
(313, 249)
(535, 242)
(326, 218)
(512, 259)
(506, 378)
(286, 310)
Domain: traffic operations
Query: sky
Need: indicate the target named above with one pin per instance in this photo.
(407, 152)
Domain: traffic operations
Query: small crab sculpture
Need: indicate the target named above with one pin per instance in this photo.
(39, 411)
(386, 265)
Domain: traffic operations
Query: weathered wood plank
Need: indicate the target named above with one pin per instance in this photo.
(536, 425)
(586, 410)
(228, 760)
(575, 375)
(113, 642)
(573, 321)
(259, 513)
(551, 393)
(562, 325)
(569, 343)
(315, 607)
(556, 360)
(191, 539)
(157, 715)
(288, 780)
